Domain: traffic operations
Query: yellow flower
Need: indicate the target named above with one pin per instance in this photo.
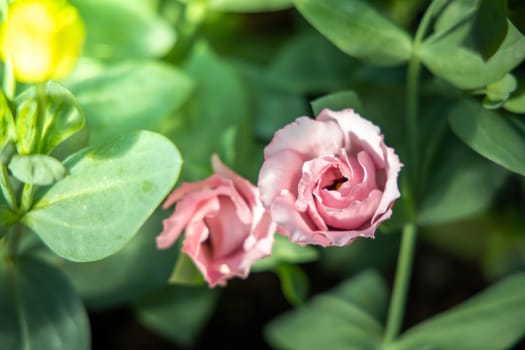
(42, 39)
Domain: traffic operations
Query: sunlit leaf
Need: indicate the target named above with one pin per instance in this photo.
(111, 190)
(37, 169)
(358, 29)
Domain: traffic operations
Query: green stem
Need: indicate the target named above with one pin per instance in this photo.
(7, 190)
(401, 283)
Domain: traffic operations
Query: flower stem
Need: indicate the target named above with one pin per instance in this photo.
(8, 81)
(402, 279)
(13, 240)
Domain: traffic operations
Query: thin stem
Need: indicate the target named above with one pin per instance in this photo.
(7, 190)
(401, 283)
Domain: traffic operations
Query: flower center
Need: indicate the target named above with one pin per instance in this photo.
(334, 186)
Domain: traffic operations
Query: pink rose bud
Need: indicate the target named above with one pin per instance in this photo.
(330, 180)
(227, 228)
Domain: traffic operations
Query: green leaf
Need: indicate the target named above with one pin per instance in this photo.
(516, 104)
(7, 218)
(137, 269)
(284, 251)
(7, 123)
(217, 112)
(37, 169)
(40, 310)
(499, 91)
(335, 320)
(490, 27)
(131, 96)
(185, 272)
(337, 101)
(493, 319)
(358, 29)
(303, 70)
(178, 313)
(121, 29)
(462, 186)
(447, 54)
(111, 190)
(62, 119)
(249, 6)
(294, 283)
(500, 138)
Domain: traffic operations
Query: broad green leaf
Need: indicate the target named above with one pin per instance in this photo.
(40, 310)
(249, 6)
(119, 29)
(493, 319)
(131, 96)
(447, 55)
(334, 320)
(284, 251)
(500, 138)
(7, 123)
(109, 193)
(490, 26)
(37, 169)
(358, 29)
(337, 101)
(294, 283)
(62, 119)
(462, 186)
(177, 313)
(499, 91)
(310, 64)
(139, 268)
(216, 112)
(516, 103)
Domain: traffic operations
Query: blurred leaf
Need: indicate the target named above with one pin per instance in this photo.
(358, 29)
(121, 29)
(7, 218)
(500, 138)
(7, 123)
(137, 269)
(40, 310)
(284, 251)
(215, 112)
(111, 190)
(499, 91)
(178, 313)
(490, 27)
(62, 119)
(37, 169)
(308, 63)
(249, 6)
(447, 53)
(490, 320)
(294, 283)
(185, 272)
(337, 101)
(506, 244)
(462, 186)
(131, 96)
(272, 106)
(516, 104)
(517, 14)
(336, 320)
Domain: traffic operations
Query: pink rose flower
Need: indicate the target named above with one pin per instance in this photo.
(330, 180)
(226, 226)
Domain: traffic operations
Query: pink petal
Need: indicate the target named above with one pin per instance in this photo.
(391, 191)
(190, 187)
(281, 171)
(307, 137)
